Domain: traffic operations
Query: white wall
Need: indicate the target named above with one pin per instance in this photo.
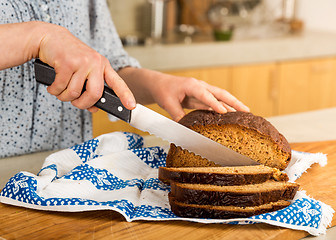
(318, 14)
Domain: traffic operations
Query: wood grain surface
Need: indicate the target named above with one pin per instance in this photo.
(21, 223)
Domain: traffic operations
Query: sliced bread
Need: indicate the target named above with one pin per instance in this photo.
(222, 212)
(243, 195)
(223, 176)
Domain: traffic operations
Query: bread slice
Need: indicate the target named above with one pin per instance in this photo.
(222, 176)
(241, 196)
(243, 132)
(222, 212)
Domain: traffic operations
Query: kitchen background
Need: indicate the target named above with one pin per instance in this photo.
(133, 17)
(277, 56)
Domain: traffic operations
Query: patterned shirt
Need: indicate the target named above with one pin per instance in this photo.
(31, 119)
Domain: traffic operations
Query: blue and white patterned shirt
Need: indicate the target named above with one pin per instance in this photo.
(31, 119)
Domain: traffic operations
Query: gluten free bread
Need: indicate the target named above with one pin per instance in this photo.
(243, 132)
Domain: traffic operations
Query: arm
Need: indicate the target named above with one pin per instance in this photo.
(74, 62)
(175, 93)
(19, 43)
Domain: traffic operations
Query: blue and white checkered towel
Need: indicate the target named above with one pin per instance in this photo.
(115, 171)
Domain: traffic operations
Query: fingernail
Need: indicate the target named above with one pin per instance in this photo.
(179, 117)
(223, 109)
(244, 107)
(131, 104)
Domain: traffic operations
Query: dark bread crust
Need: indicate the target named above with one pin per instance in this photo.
(208, 122)
(222, 179)
(245, 119)
(232, 198)
(199, 211)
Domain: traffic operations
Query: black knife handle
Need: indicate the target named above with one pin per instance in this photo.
(109, 102)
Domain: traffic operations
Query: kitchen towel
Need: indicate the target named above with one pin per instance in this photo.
(115, 171)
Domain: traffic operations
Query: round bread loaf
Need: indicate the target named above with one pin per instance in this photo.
(243, 132)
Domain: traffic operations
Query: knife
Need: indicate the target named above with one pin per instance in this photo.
(152, 122)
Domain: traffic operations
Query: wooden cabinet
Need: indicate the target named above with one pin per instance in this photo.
(255, 86)
(269, 89)
(307, 85)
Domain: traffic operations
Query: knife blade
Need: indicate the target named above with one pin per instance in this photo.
(154, 123)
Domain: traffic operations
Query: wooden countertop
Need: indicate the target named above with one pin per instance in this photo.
(21, 223)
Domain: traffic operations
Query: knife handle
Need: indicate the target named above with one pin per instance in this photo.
(109, 101)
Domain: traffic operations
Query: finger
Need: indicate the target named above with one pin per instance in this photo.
(227, 98)
(61, 81)
(174, 108)
(75, 87)
(118, 85)
(193, 103)
(93, 109)
(229, 108)
(93, 91)
(206, 97)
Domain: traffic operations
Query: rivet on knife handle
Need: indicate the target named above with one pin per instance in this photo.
(109, 102)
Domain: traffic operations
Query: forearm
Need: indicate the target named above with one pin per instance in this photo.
(142, 82)
(174, 93)
(20, 42)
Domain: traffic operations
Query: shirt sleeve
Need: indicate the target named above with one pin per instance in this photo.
(105, 38)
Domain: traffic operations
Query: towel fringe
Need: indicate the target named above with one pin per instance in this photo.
(302, 161)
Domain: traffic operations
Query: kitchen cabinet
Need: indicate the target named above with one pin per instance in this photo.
(269, 89)
(255, 86)
(218, 76)
(307, 85)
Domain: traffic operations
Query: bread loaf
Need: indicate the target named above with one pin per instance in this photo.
(222, 212)
(222, 176)
(243, 132)
(242, 195)
(201, 188)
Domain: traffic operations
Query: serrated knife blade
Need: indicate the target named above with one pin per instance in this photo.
(150, 121)
(154, 123)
